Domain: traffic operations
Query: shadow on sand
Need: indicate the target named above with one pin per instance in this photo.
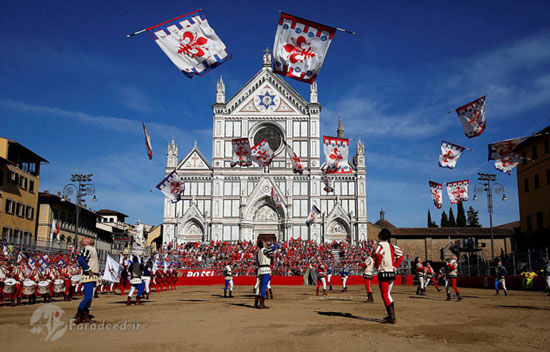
(350, 316)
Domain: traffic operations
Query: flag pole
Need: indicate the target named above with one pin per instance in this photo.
(338, 29)
(163, 23)
(135, 33)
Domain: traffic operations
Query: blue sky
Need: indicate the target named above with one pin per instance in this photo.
(74, 89)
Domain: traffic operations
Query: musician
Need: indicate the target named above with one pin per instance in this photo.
(4, 274)
(452, 274)
(429, 275)
(344, 275)
(420, 276)
(50, 274)
(264, 259)
(228, 276)
(87, 259)
(136, 271)
(501, 278)
(36, 276)
(18, 274)
(387, 258)
(124, 262)
(368, 268)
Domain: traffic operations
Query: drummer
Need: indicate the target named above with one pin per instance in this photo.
(50, 274)
(36, 276)
(4, 272)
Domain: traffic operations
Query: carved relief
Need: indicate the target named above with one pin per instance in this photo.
(266, 214)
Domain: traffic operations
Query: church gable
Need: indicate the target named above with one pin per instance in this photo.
(263, 188)
(267, 93)
(194, 161)
(338, 212)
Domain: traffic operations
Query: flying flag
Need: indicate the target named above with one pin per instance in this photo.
(326, 181)
(172, 186)
(336, 155)
(43, 263)
(450, 153)
(32, 262)
(241, 152)
(458, 191)
(500, 150)
(262, 153)
(147, 142)
(296, 163)
(508, 163)
(112, 270)
(190, 43)
(300, 47)
(314, 212)
(436, 189)
(276, 197)
(472, 117)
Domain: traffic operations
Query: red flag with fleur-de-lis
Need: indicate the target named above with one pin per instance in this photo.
(436, 190)
(336, 155)
(300, 47)
(458, 191)
(242, 155)
(262, 153)
(190, 43)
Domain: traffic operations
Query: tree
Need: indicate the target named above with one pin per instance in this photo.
(430, 222)
(460, 215)
(473, 219)
(444, 220)
(452, 221)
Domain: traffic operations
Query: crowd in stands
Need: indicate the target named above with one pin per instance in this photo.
(294, 257)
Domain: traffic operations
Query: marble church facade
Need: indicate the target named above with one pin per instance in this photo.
(230, 204)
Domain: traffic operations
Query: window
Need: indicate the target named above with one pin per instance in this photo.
(231, 232)
(300, 129)
(231, 208)
(10, 206)
(1, 178)
(228, 149)
(548, 176)
(12, 177)
(540, 222)
(537, 181)
(526, 185)
(546, 147)
(300, 208)
(528, 221)
(535, 154)
(23, 182)
(6, 233)
(29, 212)
(524, 155)
(271, 134)
(232, 188)
(300, 148)
(31, 186)
(232, 128)
(300, 188)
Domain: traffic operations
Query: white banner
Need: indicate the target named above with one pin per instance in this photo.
(472, 117)
(450, 153)
(500, 150)
(436, 190)
(277, 199)
(300, 47)
(112, 270)
(172, 186)
(191, 44)
(336, 155)
(262, 153)
(458, 191)
(508, 163)
(241, 152)
(296, 163)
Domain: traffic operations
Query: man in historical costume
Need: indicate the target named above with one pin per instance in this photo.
(50, 274)
(452, 274)
(146, 277)
(4, 274)
(321, 279)
(123, 282)
(429, 276)
(419, 271)
(344, 274)
(136, 271)
(501, 278)
(88, 261)
(329, 277)
(387, 258)
(264, 259)
(368, 268)
(228, 276)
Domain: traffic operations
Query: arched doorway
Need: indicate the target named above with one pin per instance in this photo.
(338, 231)
(266, 223)
(192, 232)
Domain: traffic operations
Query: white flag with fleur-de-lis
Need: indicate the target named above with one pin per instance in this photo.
(458, 191)
(300, 47)
(508, 163)
(172, 186)
(262, 153)
(297, 167)
(450, 153)
(242, 155)
(472, 117)
(436, 189)
(190, 43)
(336, 155)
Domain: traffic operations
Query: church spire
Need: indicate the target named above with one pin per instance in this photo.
(340, 129)
(220, 92)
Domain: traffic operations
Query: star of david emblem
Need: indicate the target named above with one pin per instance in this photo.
(267, 100)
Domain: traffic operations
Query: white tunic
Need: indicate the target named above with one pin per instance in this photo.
(453, 272)
(228, 274)
(264, 262)
(384, 249)
(369, 266)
